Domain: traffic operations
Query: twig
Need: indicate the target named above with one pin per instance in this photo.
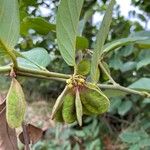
(124, 89)
(107, 74)
(26, 136)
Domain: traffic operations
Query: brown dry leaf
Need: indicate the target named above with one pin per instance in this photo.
(34, 133)
(8, 139)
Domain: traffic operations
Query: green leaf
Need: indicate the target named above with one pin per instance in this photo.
(83, 68)
(128, 66)
(38, 24)
(130, 137)
(134, 147)
(78, 105)
(114, 104)
(100, 40)
(144, 142)
(36, 58)
(15, 105)
(66, 28)
(143, 63)
(124, 107)
(9, 22)
(141, 84)
(121, 42)
(143, 44)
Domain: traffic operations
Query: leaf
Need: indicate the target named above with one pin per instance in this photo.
(9, 22)
(143, 44)
(114, 104)
(83, 68)
(8, 138)
(121, 42)
(144, 142)
(39, 24)
(36, 23)
(128, 66)
(15, 105)
(100, 39)
(34, 133)
(143, 63)
(35, 58)
(130, 137)
(141, 84)
(134, 147)
(78, 105)
(124, 107)
(66, 28)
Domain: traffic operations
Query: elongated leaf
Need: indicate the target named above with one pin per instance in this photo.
(100, 39)
(141, 84)
(36, 58)
(66, 28)
(15, 105)
(121, 42)
(9, 22)
(38, 24)
(78, 105)
(130, 137)
(124, 107)
(143, 63)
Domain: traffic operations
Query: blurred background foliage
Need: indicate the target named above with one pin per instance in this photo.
(127, 124)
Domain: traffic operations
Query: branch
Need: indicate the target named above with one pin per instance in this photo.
(124, 89)
(35, 73)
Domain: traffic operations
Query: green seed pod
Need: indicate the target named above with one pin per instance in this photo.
(68, 110)
(87, 112)
(15, 105)
(83, 68)
(94, 100)
(59, 102)
(58, 115)
(78, 105)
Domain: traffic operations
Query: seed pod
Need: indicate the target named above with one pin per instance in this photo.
(87, 112)
(58, 115)
(68, 110)
(94, 100)
(59, 102)
(83, 67)
(78, 105)
(15, 105)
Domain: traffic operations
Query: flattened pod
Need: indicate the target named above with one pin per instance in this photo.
(78, 105)
(59, 102)
(15, 105)
(58, 115)
(68, 111)
(94, 100)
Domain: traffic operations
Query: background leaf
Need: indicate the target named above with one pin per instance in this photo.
(34, 59)
(38, 24)
(141, 84)
(9, 22)
(100, 39)
(66, 28)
